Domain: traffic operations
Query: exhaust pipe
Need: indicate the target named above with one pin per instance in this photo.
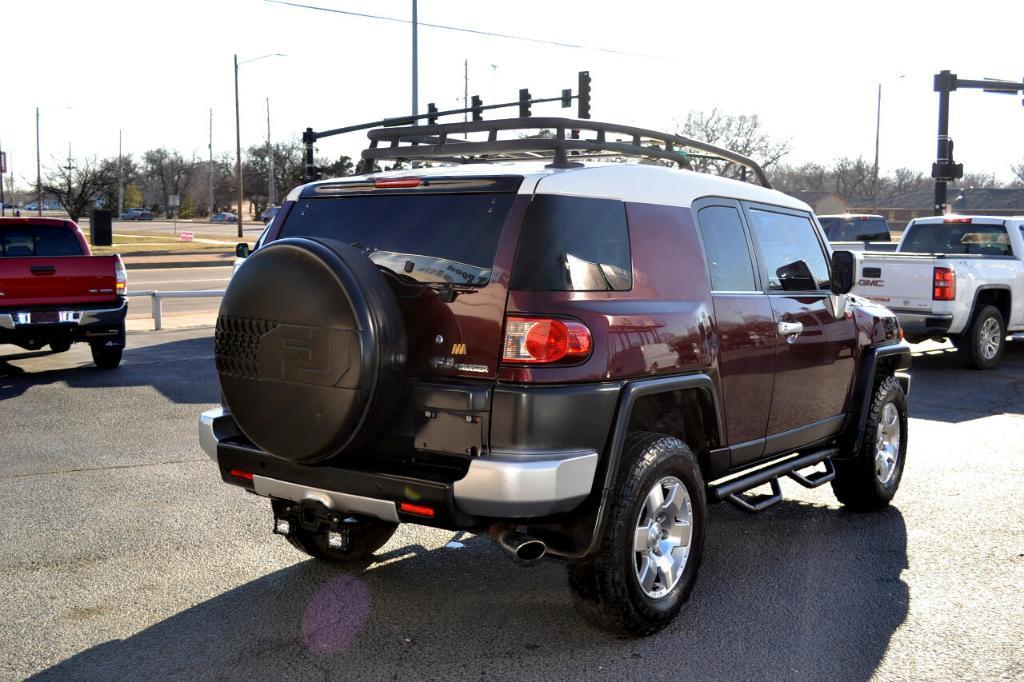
(522, 546)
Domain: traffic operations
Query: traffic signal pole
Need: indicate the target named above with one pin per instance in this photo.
(944, 169)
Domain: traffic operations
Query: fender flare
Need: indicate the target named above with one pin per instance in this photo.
(630, 394)
(865, 383)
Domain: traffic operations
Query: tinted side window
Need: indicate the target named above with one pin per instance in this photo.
(56, 241)
(573, 244)
(792, 253)
(726, 248)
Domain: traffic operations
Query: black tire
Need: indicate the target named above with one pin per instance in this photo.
(106, 358)
(975, 343)
(60, 346)
(861, 483)
(365, 539)
(605, 586)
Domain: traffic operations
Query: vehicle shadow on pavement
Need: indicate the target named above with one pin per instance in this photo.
(800, 592)
(160, 366)
(942, 389)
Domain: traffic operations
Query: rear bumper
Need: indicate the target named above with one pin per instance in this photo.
(505, 485)
(926, 325)
(77, 323)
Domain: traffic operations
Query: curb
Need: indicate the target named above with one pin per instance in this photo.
(177, 264)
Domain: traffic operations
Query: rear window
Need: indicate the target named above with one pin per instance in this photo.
(957, 238)
(856, 229)
(573, 244)
(39, 240)
(442, 238)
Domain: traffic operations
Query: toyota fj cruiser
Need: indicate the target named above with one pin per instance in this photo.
(576, 355)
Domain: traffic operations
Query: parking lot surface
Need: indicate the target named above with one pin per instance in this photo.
(122, 556)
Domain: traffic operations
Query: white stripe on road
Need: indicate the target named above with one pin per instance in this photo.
(134, 282)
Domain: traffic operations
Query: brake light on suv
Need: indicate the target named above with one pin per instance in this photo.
(943, 284)
(540, 340)
(120, 277)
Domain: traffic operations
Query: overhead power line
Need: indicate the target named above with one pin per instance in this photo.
(460, 29)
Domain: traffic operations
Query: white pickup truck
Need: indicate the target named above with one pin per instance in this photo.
(956, 277)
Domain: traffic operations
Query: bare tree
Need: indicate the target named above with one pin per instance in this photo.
(168, 171)
(742, 134)
(1018, 174)
(76, 186)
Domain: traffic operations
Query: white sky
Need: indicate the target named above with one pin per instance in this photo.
(809, 69)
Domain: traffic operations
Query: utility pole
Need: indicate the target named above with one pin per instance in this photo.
(415, 65)
(878, 127)
(210, 168)
(3, 201)
(271, 193)
(465, 92)
(238, 153)
(39, 172)
(70, 167)
(120, 179)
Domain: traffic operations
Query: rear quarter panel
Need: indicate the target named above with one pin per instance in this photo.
(661, 326)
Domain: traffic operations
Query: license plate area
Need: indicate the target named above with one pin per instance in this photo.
(46, 317)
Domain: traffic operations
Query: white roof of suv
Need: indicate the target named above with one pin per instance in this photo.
(641, 183)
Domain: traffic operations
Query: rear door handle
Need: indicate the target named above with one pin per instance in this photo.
(43, 269)
(790, 328)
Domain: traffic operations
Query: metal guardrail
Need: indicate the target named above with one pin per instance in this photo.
(157, 298)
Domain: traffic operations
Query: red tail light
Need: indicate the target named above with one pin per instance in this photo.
(957, 220)
(944, 285)
(244, 475)
(537, 340)
(417, 509)
(396, 183)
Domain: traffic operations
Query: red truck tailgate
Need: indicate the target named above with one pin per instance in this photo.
(60, 280)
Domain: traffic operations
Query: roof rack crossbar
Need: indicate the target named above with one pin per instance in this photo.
(435, 142)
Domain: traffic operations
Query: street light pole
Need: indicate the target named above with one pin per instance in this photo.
(209, 169)
(238, 153)
(120, 179)
(878, 127)
(39, 172)
(271, 190)
(415, 65)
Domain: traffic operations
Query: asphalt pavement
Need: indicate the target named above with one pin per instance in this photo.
(122, 556)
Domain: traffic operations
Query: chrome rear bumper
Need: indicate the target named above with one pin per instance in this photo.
(497, 485)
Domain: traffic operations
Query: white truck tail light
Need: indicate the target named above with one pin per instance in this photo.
(943, 284)
(540, 340)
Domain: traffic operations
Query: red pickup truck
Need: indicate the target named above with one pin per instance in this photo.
(54, 292)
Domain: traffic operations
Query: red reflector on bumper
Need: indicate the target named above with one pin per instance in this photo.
(238, 473)
(417, 509)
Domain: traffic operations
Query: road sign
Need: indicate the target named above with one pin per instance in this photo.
(3, 162)
(187, 236)
(174, 200)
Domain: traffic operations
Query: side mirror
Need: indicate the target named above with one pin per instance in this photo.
(796, 276)
(242, 250)
(844, 269)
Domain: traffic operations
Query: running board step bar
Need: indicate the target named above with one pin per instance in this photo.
(732, 491)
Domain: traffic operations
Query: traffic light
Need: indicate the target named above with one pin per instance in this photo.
(431, 113)
(477, 108)
(945, 169)
(584, 94)
(524, 103)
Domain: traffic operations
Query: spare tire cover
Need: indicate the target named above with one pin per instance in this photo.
(310, 348)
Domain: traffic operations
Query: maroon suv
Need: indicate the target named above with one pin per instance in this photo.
(577, 357)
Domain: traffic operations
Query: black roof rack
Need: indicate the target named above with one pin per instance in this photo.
(573, 140)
